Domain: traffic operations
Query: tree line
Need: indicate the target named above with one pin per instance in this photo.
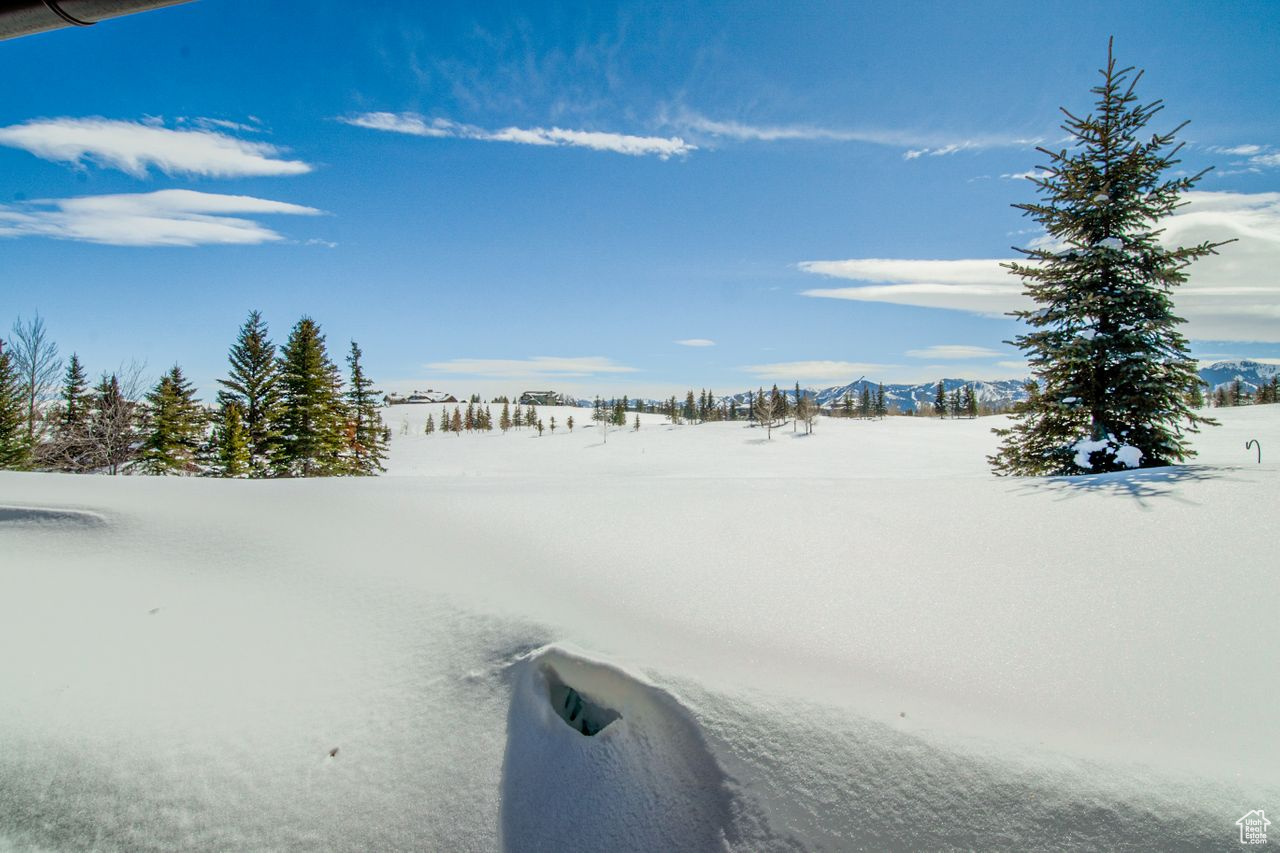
(278, 413)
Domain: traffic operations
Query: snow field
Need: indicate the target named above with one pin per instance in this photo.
(854, 640)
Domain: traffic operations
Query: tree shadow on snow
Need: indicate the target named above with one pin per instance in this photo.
(1143, 485)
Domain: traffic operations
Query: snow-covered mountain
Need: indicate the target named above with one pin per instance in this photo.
(994, 394)
(1250, 373)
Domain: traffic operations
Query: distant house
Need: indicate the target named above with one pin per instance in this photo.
(544, 398)
(427, 396)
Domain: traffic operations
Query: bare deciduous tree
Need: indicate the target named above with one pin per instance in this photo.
(36, 361)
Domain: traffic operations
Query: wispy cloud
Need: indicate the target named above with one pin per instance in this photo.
(917, 144)
(696, 342)
(620, 143)
(1237, 150)
(1029, 174)
(164, 218)
(949, 352)
(528, 368)
(814, 371)
(136, 147)
(1233, 296)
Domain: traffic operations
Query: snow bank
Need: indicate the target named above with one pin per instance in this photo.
(643, 779)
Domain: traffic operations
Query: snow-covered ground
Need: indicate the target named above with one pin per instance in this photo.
(858, 639)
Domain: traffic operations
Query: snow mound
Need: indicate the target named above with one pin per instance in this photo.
(643, 779)
(38, 516)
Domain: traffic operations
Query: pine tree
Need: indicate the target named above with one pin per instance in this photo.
(504, 420)
(881, 409)
(1104, 345)
(848, 404)
(313, 422)
(955, 402)
(539, 427)
(970, 402)
(1237, 392)
(253, 382)
(637, 427)
(569, 423)
(864, 403)
(940, 400)
(13, 430)
(799, 413)
(366, 449)
(430, 426)
(551, 422)
(456, 423)
(174, 426)
(531, 416)
(75, 397)
(231, 441)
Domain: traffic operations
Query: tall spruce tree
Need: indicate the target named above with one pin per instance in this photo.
(1104, 344)
(173, 426)
(940, 400)
(312, 415)
(13, 424)
(253, 384)
(231, 442)
(366, 448)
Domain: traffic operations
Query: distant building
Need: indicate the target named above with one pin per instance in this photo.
(544, 398)
(427, 396)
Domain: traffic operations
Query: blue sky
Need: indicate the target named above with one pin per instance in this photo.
(603, 199)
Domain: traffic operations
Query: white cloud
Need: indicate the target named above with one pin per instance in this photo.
(164, 218)
(136, 147)
(528, 368)
(696, 342)
(1029, 174)
(919, 144)
(813, 371)
(1238, 150)
(1272, 159)
(619, 143)
(953, 352)
(1233, 296)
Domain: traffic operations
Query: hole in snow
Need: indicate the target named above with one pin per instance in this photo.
(579, 712)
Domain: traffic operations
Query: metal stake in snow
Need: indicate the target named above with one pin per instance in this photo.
(1253, 442)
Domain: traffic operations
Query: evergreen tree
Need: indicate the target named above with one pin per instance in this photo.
(518, 420)
(569, 423)
(955, 402)
(799, 414)
(1220, 398)
(231, 441)
(174, 426)
(531, 416)
(469, 418)
(456, 423)
(637, 427)
(365, 449)
(539, 427)
(551, 422)
(13, 428)
(1237, 392)
(313, 419)
(504, 420)
(690, 408)
(1105, 346)
(848, 404)
(970, 402)
(766, 410)
(1195, 395)
(75, 397)
(430, 426)
(253, 384)
(880, 408)
(940, 400)
(864, 403)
